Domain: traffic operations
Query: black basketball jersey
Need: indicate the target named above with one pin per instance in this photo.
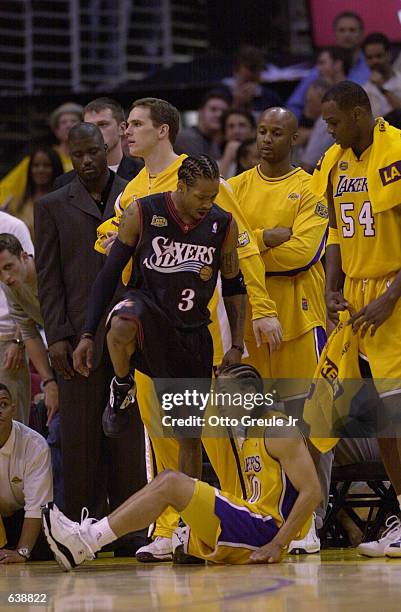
(177, 264)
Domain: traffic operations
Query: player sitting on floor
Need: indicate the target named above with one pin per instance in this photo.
(283, 492)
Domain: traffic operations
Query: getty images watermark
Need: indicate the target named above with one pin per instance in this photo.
(229, 407)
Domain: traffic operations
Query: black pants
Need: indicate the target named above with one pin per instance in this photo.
(13, 527)
(97, 469)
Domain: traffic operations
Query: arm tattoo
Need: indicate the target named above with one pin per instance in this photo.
(127, 229)
(229, 263)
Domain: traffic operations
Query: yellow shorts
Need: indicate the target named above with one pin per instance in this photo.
(383, 350)
(294, 363)
(224, 528)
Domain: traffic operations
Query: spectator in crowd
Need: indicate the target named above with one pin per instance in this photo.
(13, 185)
(247, 156)
(14, 370)
(334, 63)
(18, 278)
(237, 126)
(319, 139)
(109, 117)
(204, 138)
(348, 30)
(44, 167)
(25, 485)
(246, 87)
(315, 139)
(67, 265)
(384, 84)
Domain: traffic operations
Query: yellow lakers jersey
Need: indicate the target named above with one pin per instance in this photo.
(370, 243)
(294, 273)
(270, 491)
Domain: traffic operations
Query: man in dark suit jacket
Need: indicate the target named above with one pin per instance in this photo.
(66, 220)
(108, 115)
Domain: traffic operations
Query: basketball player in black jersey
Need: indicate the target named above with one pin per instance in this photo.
(179, 242)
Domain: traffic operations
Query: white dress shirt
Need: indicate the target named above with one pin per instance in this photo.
(25, 472)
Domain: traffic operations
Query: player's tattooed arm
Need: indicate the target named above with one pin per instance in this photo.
(234, 295)
(335, 301)
(229, 263)
(130, 225)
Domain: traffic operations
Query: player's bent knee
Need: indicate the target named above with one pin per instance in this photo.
(123, 330)
(173, 486)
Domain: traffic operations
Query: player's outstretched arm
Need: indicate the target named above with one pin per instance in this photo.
(105, 285)
(234, 295)
(334, 272)
(290, 450)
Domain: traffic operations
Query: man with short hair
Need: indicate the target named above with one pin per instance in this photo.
(25, 485)
(203, 138)
(290, 225)
(320, 140)
(348, 31)
(246, 87)
(109, 117)
(152, 128)
(96, 469)
(363, 260)
(334, 63)
(14, 371)
(237, 126)
(384, 84)
(18, 279)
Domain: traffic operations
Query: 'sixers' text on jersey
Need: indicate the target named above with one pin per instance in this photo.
(177, 264)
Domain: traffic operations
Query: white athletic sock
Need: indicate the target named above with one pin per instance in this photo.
(399, 500)
(101, 534)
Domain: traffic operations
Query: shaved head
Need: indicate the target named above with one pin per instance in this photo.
(276, 135)
(282, 116)
(85, 130)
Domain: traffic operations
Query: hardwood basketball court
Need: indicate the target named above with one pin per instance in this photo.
(334, 580)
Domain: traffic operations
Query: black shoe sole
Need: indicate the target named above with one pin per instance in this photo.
(61, 553)
(115, 431)
(182, 558)
(149, 558)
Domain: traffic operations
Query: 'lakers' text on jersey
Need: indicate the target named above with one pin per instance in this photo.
(370, 243)
(178, 264)
(269, 489)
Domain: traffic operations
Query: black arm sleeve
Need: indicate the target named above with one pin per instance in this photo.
(106, 283)
(233, 286)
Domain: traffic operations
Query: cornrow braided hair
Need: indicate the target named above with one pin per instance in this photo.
(194, 168)
(243, 371)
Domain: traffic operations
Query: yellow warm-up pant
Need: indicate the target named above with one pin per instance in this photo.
(162, 454)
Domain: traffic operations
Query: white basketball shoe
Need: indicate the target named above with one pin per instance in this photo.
(379, 548)
(310, 544)
(69, 541)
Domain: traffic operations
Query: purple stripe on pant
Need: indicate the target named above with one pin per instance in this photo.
(238, 526)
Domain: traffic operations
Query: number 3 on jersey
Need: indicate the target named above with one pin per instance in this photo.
(187, 300)
(365, 218)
